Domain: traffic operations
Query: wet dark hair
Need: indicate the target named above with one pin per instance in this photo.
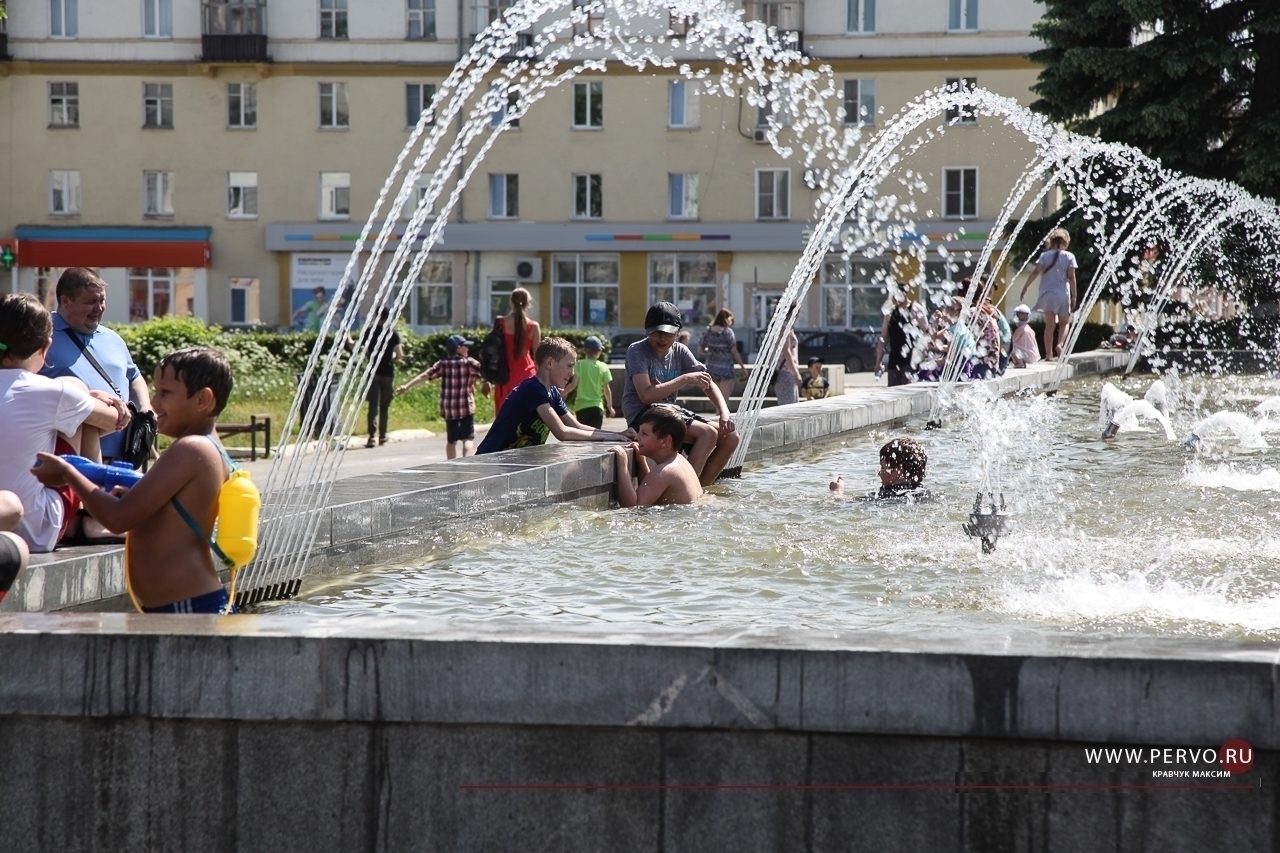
(198, 368)
(76, 280)
(25, 325)
(908, 456)
(667, 422)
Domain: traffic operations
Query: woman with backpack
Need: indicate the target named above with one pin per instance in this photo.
(1056, 270)
(520, 337)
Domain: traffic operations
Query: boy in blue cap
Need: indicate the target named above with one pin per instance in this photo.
(457, 374)
(591, 378)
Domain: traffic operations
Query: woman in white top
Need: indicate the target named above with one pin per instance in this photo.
(1056, 270)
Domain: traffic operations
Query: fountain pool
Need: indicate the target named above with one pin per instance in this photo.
(1129, 536)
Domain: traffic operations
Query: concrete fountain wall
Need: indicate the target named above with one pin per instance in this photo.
(271, 733)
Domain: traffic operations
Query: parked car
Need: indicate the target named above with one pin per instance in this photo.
(854, 348)
(618, 345)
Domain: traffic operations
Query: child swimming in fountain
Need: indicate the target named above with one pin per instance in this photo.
(671, 480)
(169, 567)
(902, 468)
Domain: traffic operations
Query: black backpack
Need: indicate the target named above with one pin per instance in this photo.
(493, 355)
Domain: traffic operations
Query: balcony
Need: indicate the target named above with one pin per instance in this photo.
(485, 12)
(785, 17)
(234, 31)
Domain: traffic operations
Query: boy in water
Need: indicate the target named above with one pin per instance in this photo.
(902, 468)
(168, 565)
(535, 408)
(672, 479)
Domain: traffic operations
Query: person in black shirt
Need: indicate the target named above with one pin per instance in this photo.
(383, 386)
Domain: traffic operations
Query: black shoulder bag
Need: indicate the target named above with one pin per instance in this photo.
(140, 434)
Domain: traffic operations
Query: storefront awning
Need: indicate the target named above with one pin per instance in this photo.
(91, 246)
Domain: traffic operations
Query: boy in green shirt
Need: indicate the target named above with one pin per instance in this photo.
(591, 378)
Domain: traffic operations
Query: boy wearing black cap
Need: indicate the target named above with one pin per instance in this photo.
(815, 385)
(457, 374)
(591, 378)
(657, 368)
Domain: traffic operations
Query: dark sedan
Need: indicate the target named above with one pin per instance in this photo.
(618, 345)
(854, 348)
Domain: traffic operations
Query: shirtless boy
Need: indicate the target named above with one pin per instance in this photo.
(168, 564)
(671, 480)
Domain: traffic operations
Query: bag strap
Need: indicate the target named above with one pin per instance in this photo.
(87, 353)
(191, 522)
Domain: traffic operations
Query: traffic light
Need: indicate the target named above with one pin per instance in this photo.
(7, 257)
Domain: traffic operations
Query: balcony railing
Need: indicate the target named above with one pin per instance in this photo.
(234, 31)
(786, 17)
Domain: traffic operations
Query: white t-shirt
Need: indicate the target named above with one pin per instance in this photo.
(35, 410)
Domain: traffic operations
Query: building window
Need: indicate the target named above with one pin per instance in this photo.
(157, 19)
(432, 300)
(333, 19)
(47, 286)
(682, 196)
(242, 195)
(335, 195)
(64, 19)
(64, 105)
(157, 190)
(418, 97)
(244, 301)
(242, 105)
(861, 16)
(333, 106)
(157, 105)
(589, 19)
(853, 292)
(682, 104)
(504, 196)
(64, 193)
(500, 297)
(588, 106)
(963, 16)
(150, 293)
(584, 290)
(860, 102)
(498, 116)
(773, 194)
(587, 203)
(687, 281)
(422, 19)
(962, 115)
(960, 193)
(419, 199)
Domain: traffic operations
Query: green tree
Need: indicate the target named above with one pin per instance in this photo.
(1193, 83)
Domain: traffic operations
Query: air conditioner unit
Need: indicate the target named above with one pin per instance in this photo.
(529, 269)
(760, 135)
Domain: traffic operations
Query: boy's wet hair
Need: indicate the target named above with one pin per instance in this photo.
(201, 367)
(553, 348)
(908, 456)
(75, 281)
(25, 325)
(666, 421)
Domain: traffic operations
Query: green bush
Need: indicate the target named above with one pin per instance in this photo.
(1091, 335)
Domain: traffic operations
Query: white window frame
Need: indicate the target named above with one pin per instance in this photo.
(242, 195)
(860, 17)
(427, 282)
(334, 11)
(867, 277)
(64, 106)
(681, 292)
(245, 92)
(499, 115)
(252, 290)
(682, 195)
(863, 102)
(157, 193)
(592, 94)
(419, 196)
(683, 98)
(593, 185)
(64, 19)
(154, 15)
(963, 172)
(962, 16)
(503, 202)
(775, 175)
(963, 116)
(68, 181)
(424, 13)
(156, 102)
(582, 306)
(153, 276)
(339, 106)
(331, 183)
(424, 94)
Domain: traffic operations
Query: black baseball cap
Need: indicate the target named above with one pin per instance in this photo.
(663, 317)
(814, 359)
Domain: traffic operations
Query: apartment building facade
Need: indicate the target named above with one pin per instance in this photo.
(218, 158)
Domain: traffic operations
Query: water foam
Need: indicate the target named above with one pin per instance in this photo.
(1226, 475)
